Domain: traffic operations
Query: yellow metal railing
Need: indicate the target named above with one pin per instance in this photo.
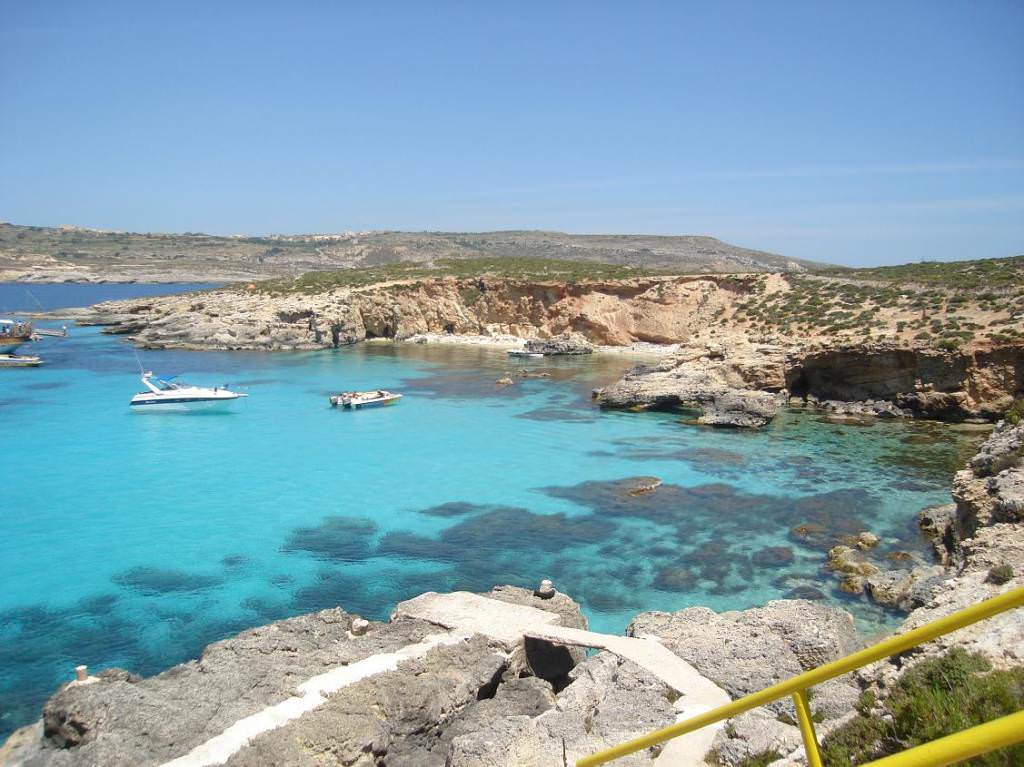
(999, 733)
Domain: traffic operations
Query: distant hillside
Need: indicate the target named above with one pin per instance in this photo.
(32, 253)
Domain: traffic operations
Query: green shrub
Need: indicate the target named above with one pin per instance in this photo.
(1000, 574)
(935, 698)
(1016, 412)
(470, 295)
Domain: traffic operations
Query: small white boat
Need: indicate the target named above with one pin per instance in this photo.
(523, 353)
(165, 394)
(18, 361)
(360, 399)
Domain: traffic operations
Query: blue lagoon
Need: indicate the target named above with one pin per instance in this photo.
(134, 540)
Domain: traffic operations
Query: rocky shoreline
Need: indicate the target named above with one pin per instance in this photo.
(487, 699)
(733, 371)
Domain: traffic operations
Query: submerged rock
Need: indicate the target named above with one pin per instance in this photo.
(851, 566)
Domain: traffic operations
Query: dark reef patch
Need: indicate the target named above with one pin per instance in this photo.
(45, 385)
(773, 556)
(235, 561)
(339, 539)
(154, 581)
(567, 415)
(674, 579)
(805, 592)
(413, 546)
(102, 604)
(457, 509)
(332, 588)
(496, 532)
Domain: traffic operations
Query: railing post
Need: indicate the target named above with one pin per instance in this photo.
(803, 715)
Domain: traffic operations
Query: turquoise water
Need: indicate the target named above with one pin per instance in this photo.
(21, 297)
(133, 540)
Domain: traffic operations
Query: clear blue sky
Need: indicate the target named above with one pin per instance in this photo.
(858, 132)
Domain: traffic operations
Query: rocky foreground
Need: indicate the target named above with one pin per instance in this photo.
(476, 700)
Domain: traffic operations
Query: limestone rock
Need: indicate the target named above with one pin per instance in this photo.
(746, 651)
(938, 524)
(715, 387)
(1003, 448)
(904, 589)
(607, 701)
(867, 540)
(754, 733)
(851, 566)
(991, 489)
(565, 344)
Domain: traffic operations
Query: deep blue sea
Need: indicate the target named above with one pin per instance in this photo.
(133, 540)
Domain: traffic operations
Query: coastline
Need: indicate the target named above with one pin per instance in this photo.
(504, 342)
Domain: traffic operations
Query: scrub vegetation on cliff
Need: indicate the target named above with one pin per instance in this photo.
(943, 311)
(936, 698)
(985, 273)
(545, 269)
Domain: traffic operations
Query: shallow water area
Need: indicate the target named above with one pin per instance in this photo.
(133, 539)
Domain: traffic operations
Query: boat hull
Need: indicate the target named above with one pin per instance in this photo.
(184, 406)
(358, 402)
(375, 403)
(14, 361)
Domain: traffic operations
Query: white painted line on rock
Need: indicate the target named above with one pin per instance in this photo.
(313, 694)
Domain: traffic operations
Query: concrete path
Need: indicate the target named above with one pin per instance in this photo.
(471, 613)
(463, 614)
(312, 694)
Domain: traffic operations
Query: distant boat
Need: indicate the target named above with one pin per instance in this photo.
(16, 361)
(165, 394)
(14, 333)
(360, 399)
(523, 353)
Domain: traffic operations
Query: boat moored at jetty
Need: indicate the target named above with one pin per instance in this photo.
(168, 395)
(19, 361)
(14, 333)
(354, 400)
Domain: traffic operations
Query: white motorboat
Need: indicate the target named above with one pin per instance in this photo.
(166, 394)
(19, 361)
(355, 400)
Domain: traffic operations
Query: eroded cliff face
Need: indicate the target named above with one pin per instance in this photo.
(925, 381)
(656, 310)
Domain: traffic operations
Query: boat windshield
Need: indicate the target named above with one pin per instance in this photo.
(165, 385)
